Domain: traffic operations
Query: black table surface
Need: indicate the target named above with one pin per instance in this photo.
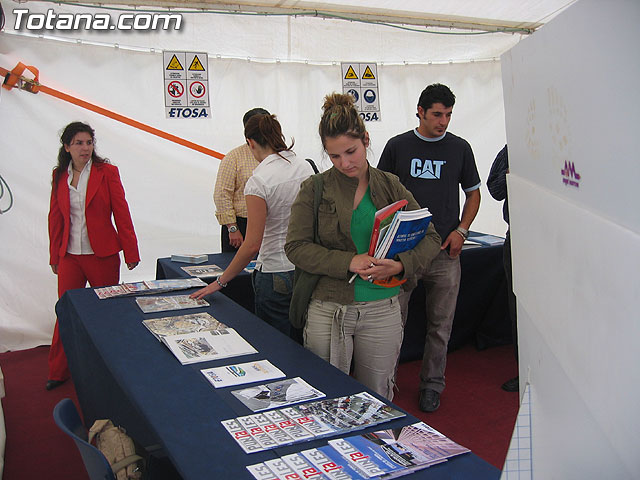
(122, 372)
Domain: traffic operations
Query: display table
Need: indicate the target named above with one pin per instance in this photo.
(481, 312)
(122, 372)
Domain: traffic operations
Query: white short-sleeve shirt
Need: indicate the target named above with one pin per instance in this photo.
(277, 181)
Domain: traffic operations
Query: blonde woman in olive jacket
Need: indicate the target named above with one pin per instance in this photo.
(360, 322)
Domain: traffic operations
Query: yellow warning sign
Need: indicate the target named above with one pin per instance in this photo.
(351, 74)
(174, 64)
(368, 73)
(196, 64)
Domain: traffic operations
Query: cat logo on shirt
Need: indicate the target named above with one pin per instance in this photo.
(427, 169)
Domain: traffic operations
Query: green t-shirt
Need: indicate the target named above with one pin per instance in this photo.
(361, 228)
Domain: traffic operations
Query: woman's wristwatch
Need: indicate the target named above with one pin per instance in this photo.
(222, 285)
(233, 229)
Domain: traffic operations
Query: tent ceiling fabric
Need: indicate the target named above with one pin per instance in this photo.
(494, 16)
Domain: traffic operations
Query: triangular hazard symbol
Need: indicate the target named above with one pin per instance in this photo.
(368, 73)
(174, 64)
(351, 74)
(196, 65)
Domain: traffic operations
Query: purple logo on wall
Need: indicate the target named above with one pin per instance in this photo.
(569, 175)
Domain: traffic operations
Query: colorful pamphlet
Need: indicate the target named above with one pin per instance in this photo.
(277, 394)
(191, 322)
(175, 302)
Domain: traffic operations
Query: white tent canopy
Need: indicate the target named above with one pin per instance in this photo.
(286, 63)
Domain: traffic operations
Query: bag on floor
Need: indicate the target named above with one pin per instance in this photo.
(118, 448)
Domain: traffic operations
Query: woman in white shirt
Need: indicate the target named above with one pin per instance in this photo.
(269, 193)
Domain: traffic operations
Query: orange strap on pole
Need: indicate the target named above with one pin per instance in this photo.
(14, 78)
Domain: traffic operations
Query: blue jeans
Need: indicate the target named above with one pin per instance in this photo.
(273, 296)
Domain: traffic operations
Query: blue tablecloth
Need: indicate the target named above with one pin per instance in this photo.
(481, 312)
(122, 372)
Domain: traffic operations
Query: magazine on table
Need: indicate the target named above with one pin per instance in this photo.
(250, 267)
(400, 451)
(190, 257)
(277, 394)
(204, 271)
(315, 419)
(205, 346)
(165, 303)
(384, 454)
(239, 374)
(191, 322)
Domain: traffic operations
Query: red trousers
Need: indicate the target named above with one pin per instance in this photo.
(73, 272)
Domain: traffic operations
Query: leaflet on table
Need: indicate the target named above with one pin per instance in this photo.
(204, 271)
(206, 346)
(316, 419)
(250, 267)
(277, 394)
(175, 302)
(191, 322)
(169, 284)
(332, 464)
(239, 374)
(484, 239)
(190, 257)
(147, 286)
(407, 229)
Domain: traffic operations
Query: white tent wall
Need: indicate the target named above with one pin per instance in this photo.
(169, 187)
(571, 100)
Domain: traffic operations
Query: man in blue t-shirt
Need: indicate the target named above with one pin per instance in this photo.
(432, 163)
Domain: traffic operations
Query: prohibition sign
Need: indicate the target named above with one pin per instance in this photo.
(175, 89)
(197, 89)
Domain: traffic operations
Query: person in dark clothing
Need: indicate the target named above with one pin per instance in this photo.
(497, 185)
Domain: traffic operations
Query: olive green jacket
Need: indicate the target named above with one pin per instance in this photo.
(332, 257)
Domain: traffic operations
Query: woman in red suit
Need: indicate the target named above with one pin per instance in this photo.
(83, 243)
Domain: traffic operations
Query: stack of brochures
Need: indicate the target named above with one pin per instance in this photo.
(382, 454)
(190, 258)
(403, 233)
(277, 394)
(148, 286)
(298, 423)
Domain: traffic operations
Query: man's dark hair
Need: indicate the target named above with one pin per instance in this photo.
(252, 112)
(436, 93)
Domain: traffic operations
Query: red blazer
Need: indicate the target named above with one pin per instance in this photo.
(105, 196)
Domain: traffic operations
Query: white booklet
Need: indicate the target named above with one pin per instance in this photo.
(239, 374)
(206, 345)
(277, 394)
(188, 323)
(175, 302)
